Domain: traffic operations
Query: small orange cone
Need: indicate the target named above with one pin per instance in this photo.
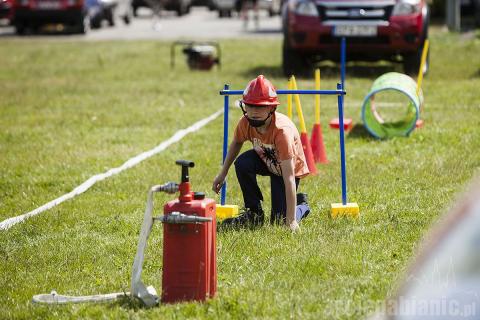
(307, 150)
(316, 140)
(318, 148)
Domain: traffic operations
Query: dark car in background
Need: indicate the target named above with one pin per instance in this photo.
(393, 30)
(76, 15)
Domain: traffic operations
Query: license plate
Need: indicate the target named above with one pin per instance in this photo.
(48, 4)
(355, 31)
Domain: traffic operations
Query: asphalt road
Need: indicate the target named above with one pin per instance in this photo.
(200, 23)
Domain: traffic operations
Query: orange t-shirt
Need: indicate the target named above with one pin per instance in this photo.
(280, 142)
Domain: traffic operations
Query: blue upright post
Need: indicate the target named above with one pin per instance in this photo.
(342, 146)
(223, 194)
(340, 115)
(342, 62)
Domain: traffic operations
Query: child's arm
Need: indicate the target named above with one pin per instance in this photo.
(288, 174)
(232, 153)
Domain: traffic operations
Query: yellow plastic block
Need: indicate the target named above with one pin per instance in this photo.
(350, 209)
(226, 211)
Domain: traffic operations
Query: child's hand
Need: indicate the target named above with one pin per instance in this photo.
(218, 183)
(294, 227)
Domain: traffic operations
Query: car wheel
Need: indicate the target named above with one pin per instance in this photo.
(411, 62)
(293, 62)
(95, 22)
(477, 13)
(20, 29)
(108, 15)
(181, 9)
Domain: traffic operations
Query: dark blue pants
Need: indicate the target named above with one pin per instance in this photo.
(247, 166)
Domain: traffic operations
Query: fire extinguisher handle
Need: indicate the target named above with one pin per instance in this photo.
(178, 217)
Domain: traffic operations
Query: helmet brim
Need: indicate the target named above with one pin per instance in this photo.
(260, 104)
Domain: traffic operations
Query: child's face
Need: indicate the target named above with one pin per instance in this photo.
(258, 112)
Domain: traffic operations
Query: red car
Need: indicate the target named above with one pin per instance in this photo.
(6, 11)
(392, 30)
(71, 13)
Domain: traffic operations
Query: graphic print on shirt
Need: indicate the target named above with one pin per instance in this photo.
(269, 155)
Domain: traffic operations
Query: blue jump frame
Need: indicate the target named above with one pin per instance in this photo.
(340, 93)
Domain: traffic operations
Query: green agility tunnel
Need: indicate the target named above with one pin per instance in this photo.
(392, 107)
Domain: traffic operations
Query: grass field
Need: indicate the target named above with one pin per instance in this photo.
(71, 110)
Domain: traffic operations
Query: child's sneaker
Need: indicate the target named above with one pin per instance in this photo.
(303, 209)
(247, 218)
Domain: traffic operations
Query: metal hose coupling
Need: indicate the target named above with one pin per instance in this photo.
(178, 217)
(169, 187)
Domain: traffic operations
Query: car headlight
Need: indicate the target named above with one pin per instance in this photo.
(406, 7)
(306, 8)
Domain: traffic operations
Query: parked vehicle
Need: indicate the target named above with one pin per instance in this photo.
(227, 7)
(35, 13)
(393, 30)
(471, 7)
(6, 12)
(181, 7)
(78, 15)
(110, 10)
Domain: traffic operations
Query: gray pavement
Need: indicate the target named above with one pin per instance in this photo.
(199, 24)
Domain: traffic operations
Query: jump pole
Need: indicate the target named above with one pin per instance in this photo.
(347, 123)
(227, 92)
(423, 60)
(225, 210)
(345, 208)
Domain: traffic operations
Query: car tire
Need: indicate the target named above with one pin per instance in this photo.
(95, 22)
(477, 13)
(224, 13)
(181, 9)
(293, 62)
(110, 19)
(411, 62)
(20, 29)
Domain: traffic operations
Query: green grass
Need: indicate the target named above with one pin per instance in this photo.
(71, 110)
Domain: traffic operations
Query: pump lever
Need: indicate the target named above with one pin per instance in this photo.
(185, 165)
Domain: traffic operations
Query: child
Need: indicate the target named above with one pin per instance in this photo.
(277, 152)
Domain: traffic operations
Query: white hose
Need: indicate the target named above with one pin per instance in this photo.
(148, 295)
(138, 290)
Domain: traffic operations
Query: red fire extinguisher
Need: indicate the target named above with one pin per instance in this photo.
(189, 249)
(189, 245)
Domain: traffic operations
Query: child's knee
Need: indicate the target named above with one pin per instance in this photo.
(242, 163)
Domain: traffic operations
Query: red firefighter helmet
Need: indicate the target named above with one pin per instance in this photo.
(260, 92)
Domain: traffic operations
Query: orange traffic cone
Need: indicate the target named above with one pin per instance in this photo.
(307, 150)
(316, 140)
(318, 148)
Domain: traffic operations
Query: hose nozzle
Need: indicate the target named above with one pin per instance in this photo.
(169, 187)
